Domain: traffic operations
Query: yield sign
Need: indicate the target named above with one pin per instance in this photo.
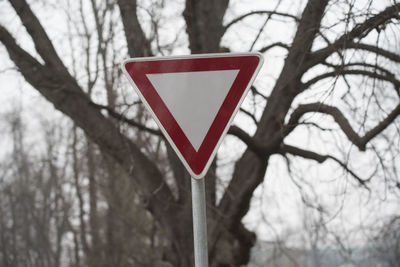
(193, 99)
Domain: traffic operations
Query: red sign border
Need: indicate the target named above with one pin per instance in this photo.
(196, 162)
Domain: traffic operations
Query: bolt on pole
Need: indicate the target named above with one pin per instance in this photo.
(199, 223)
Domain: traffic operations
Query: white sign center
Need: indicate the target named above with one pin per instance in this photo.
(199, 94)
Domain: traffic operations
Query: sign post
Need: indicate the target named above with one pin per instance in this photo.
(194, 99)
(199, 223)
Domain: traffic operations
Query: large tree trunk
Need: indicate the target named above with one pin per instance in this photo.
(250, 170)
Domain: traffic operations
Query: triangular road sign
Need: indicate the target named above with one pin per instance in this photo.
(193, 99)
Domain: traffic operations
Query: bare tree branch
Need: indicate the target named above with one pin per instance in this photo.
(375, 67)
(250, 115)
(42, 42)
(277, 44)
(262, 150)
(375, 75)
(288, 149)
(257, 92)
(358, 32)
(262, 28)
(131, 122)
(377, 50)
(353, 136)
(259, 12)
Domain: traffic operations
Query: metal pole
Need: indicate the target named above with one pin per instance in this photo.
(199, 223)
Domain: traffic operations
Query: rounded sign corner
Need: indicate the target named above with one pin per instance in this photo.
(124, 63)
(199, 176)
(260, 59)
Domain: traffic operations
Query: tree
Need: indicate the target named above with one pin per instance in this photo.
(386, 243)
(322, 55)
(35, 210)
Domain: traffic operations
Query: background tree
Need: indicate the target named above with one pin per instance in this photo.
(35, 209)
(386, 243)
(327, 44)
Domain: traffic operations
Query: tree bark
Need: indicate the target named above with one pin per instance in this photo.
(204, 24)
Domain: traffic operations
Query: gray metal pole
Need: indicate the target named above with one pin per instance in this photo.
(199, 223)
